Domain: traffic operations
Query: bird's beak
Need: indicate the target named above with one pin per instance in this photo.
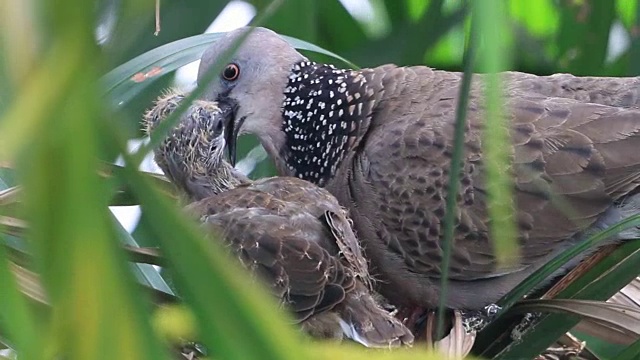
(231, 126)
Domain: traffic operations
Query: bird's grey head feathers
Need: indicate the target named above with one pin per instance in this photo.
(195, 146)
(254, 78)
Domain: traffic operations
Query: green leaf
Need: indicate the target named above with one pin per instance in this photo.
(540, 18)
(630, 353)
(408, 42)
(494, 58)
(145, 273)
(599, 283)
(634, 50)
(583, 36)
(83, 270)
(298, 17)
(627, 11)
(16, 319)
(121, 85)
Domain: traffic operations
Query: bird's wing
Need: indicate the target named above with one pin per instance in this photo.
(291, 196)
(320, 203)
(610, 91)
(285, 253)
(584, 153)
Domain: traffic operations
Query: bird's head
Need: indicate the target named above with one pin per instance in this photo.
(255, 80)
(195, 146)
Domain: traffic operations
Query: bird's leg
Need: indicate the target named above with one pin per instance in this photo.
(476, 320)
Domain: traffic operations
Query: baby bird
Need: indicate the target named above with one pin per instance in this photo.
(292, 234)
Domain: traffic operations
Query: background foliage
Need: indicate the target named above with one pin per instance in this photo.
(61, 123)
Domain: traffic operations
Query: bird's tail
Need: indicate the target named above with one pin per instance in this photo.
(363, 320)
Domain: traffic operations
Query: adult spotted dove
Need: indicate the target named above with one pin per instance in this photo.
(293, 234)
(380, 139)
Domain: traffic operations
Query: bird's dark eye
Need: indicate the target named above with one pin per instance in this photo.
(231, 72)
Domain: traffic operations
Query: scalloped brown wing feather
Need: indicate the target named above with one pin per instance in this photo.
(396, 182)
(287, 255)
